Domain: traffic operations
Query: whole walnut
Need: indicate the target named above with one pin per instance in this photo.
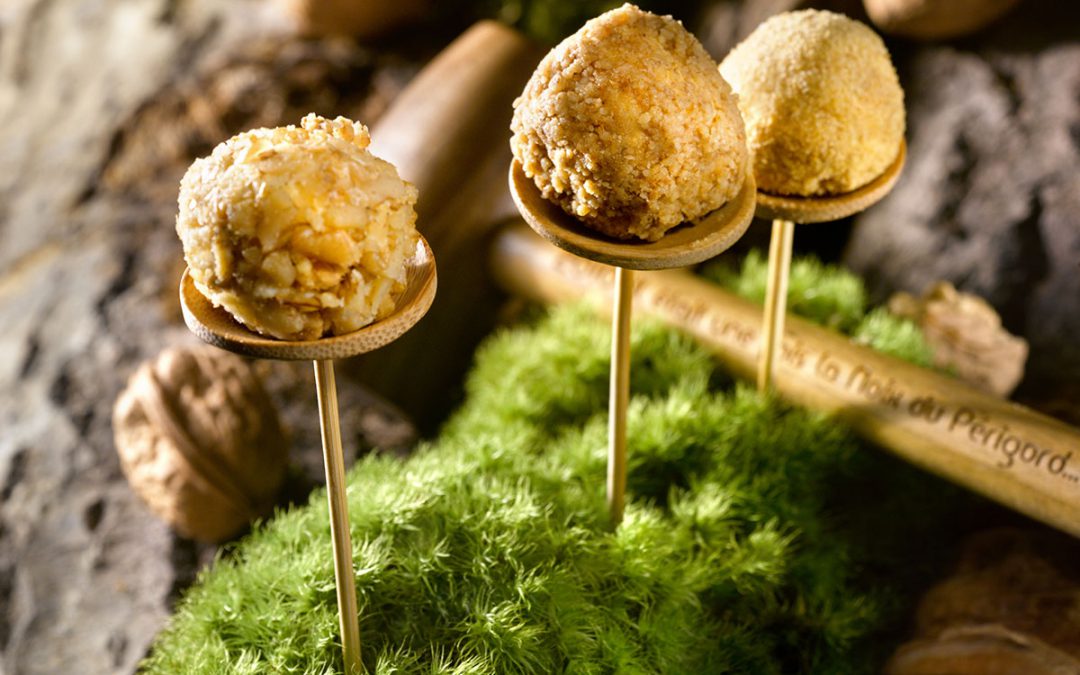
(200, 441)
(935, 19)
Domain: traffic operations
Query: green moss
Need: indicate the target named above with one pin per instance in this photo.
(825, 294)
(831, 296)
(488, 551)
(893, 335)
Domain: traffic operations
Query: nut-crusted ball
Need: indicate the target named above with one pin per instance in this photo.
(823, 106)
(199, 440)
(628, 126)
(300, 231)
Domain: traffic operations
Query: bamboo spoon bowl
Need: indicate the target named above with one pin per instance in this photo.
(687, 244)
(806, 210)
(217, 327)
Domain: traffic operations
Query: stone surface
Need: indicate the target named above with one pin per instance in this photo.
(990, 199)
(102, 107)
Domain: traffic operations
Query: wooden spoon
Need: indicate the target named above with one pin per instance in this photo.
(686, 244)
(807, 210)
(785, 212)
(217, 327)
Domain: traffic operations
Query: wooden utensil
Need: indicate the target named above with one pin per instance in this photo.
(785, 212)
(217, 327)
(1004, 451)
(689, 243)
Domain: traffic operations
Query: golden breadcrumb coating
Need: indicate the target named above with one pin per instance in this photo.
(628, 125)
(823, 106)
(298, 232)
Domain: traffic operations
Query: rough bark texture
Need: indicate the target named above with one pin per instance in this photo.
(990, 199)
(102, 107)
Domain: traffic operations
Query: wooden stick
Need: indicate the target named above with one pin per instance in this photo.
(783, 236)
(619, 396)
(1004, 451)
(348, 614)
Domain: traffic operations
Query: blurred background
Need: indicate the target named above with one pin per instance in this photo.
(104, 104)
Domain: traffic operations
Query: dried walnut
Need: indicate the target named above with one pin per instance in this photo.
(200, 441)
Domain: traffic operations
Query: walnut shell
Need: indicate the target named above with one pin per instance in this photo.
(934, 19)
(1012, 605)
(200, 441)
(1026, 580)
(965, 334)
(980, 650)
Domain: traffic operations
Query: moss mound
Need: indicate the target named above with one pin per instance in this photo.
(758, 538)
(830, 296)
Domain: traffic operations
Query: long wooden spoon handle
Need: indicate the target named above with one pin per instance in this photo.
(783, 237)
(619, 395)
(348, 615)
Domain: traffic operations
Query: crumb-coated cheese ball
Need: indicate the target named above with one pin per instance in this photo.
(823, 106)
(628, 125)
(298, 232)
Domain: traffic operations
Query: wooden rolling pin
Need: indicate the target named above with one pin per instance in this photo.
(1004, 451)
